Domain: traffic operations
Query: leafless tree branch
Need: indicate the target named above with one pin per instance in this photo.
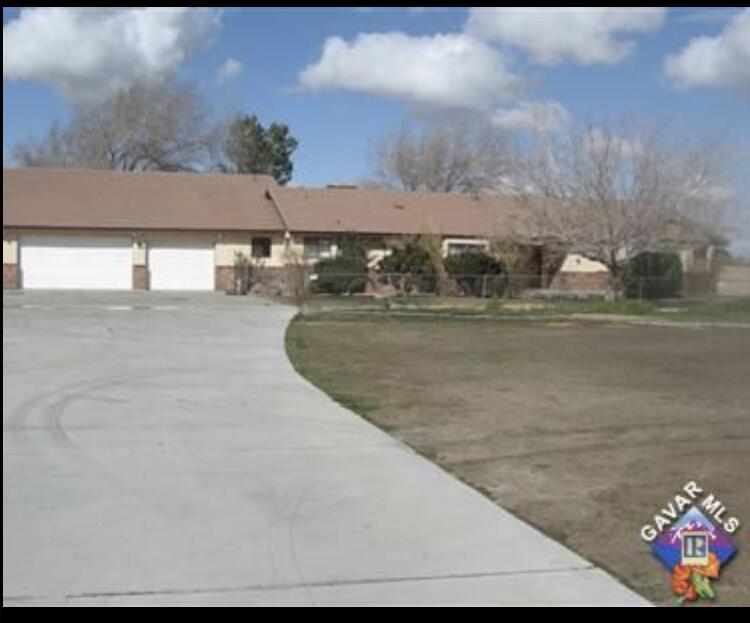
(457, 155)
(611, 194)
(147, 127)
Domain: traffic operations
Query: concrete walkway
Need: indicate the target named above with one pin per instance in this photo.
(162, 450)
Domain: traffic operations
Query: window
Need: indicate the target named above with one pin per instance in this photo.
(459, 248)
(261, 248)
(317, 248)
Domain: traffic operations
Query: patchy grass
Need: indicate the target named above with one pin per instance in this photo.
(735, 310)
(320, 303)
(301, 357)
(583, 429)
(727, 310)
(599, 306)
(623, 308)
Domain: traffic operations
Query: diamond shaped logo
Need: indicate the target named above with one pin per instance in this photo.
(691, 540)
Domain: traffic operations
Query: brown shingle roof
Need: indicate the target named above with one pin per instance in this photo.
(391, 212)
(84, 199)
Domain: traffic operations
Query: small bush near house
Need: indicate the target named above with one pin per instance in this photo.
(410, 257)
(476, 273)
(347, 272)
(653, 276)
(410, 268)
(241, 274)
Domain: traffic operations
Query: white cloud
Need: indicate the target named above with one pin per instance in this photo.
(721, 61)
(553, 35)
(451, 70)
(705, 16)
(88, 54)
(228, 70)
(542, 117)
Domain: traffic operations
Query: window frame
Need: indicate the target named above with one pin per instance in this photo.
(459, 247)
(265, 246)
(308, 254)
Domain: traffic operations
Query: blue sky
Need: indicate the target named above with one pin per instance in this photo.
(362, 90)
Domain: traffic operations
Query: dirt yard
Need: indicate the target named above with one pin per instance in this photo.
(583, 429)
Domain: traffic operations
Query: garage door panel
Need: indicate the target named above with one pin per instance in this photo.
(70, 262)
(178, 266)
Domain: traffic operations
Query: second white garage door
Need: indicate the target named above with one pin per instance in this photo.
(178, 266)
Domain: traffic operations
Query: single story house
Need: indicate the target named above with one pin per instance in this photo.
(108, 230)
(87, 229)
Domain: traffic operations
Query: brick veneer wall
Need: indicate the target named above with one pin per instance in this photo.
(10, 277)
(734, 281)
(224, 278)
(140, 277)
(580, 282)
(274, 281)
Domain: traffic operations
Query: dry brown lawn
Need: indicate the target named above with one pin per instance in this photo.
(583, 429)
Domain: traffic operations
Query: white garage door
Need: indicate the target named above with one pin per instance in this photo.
(76, 263)
(175, 266)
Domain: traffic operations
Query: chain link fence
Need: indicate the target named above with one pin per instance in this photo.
(521, 286)
(415, 284)
(300, 281)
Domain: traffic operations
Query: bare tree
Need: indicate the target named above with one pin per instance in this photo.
(611, 195)
(55, 150)
(458, 154)
(147, 127)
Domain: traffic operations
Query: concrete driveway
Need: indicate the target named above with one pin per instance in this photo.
(160, 449)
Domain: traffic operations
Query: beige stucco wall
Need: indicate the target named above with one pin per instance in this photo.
(10, 249)
(278, 252)
(140, 252)
(734, 281)
(575, 263)
(293, 250)
(181, 236)
(229, 245)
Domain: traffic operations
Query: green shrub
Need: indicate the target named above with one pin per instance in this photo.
(347, 272)
(410, 257)
(410, 268)
(473, 263)
(476, 273)
(653, 276)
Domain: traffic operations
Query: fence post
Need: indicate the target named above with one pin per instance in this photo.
(484, 286)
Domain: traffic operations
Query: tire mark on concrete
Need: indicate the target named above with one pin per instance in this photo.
(52, 406)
